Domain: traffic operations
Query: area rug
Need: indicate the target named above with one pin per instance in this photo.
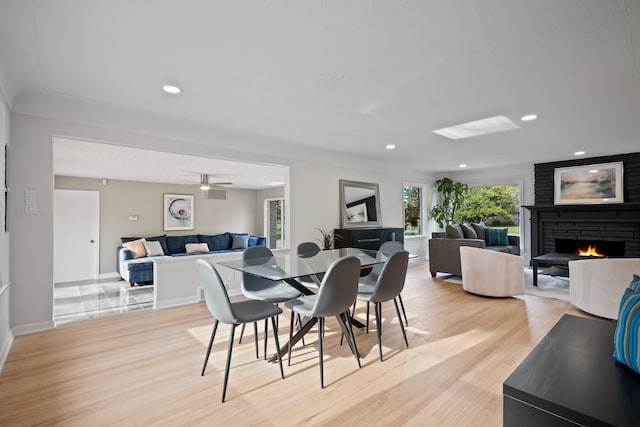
(548, 286)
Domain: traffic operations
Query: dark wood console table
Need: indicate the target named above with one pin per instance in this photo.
(366, 238)
(570, 378)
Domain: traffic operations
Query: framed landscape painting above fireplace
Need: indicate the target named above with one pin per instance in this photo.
(597, 183)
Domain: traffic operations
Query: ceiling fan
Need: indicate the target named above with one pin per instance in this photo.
(206, 185)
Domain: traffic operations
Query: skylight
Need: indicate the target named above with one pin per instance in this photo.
(478, 127)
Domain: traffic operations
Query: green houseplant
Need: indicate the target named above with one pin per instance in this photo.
(452, 196)
(327, 238)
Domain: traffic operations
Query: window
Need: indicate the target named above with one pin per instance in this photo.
(495, 205)
(412, 195)
(274, 217)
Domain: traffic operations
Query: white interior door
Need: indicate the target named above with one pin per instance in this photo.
(76, 229)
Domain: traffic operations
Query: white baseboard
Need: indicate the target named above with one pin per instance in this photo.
(33, 327)
(109, 276)
(4, 351)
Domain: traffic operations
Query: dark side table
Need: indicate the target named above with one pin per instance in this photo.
(570, 378)
(552, 258)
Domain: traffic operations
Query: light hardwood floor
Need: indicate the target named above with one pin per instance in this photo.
(143, 368)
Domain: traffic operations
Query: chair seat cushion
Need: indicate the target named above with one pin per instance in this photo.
(303, 305)
(276, 293)
(253, 310)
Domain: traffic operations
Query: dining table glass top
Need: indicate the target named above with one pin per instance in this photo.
(290, 266)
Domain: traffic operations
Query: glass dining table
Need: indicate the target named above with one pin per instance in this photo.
(291, 268)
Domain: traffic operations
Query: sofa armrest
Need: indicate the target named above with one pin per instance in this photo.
(444, 254)
(514, 240)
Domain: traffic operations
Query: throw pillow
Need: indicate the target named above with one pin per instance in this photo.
(153, 247)
(240, 242)
(216, 242)
(454, 231)
(196, 247)
(469, 232)
(136, 247)
(635, 283)
(625, 339)
(480, 230)
(496, 236)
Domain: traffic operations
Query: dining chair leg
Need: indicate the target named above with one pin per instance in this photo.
(406, 322)
(320, 331)
(378, 310)
(226, 369)
(367, 316)
(266, 327)
(255, 338)
(401, 326)
(241, 333)
(290, 337)
(299, 328)
(353, 339)
(275, 338)
(213, 334)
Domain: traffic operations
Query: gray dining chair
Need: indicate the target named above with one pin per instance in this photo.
(258, 288)
(336, 294)
(388, 286)
(234, 314)
(308, 250)
(367, 283)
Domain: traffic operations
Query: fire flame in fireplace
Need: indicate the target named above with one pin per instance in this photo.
(590, 251)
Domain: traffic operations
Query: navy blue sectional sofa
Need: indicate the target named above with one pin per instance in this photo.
(140, 270)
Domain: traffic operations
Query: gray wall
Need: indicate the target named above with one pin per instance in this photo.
(239, 213)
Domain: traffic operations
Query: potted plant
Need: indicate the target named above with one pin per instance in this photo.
(452, 196)
(327, 238)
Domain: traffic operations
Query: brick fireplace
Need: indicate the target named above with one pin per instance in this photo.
(615, 228)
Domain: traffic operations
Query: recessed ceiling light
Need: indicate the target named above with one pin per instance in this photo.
(593, 171)
(579, 153)
(463, 165)
(390, 147)
(529, 117)
(171, 89)
(477, 127)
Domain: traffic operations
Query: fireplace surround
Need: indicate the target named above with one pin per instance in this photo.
(616, 225)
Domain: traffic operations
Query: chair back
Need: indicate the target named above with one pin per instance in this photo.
(215, 294)
(255, 255)
(387, 249)
(339, 287)
(391, 280)
(308, 249)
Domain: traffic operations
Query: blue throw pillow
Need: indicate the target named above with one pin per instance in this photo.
(216, 242)
(627, 335)
(253, 240)
(497, 236)
(635, 283)
(240, 242)
(176, 244)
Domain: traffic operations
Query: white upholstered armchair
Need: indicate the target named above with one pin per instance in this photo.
(491, 273)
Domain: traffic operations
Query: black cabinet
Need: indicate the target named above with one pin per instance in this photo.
(366, 238)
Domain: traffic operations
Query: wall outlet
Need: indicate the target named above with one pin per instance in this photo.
(30, 202)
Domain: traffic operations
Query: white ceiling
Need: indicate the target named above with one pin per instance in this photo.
(87, 159)
(346, 76)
